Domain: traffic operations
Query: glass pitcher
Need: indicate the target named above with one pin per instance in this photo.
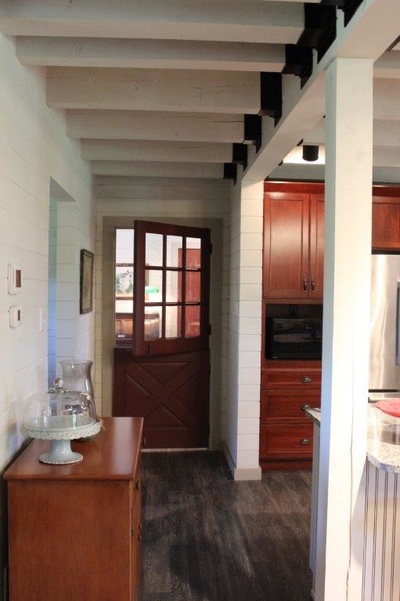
(76, 376)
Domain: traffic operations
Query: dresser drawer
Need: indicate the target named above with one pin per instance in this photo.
(285, 378)
(280, 441)
(278, 405)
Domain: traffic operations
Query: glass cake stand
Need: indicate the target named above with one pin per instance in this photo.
(60, 417)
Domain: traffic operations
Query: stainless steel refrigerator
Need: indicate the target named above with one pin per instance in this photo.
(384, 371)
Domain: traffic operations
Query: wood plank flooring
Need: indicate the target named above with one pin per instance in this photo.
(208, 538)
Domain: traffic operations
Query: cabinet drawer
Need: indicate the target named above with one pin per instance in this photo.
(278, 405)
(280, 441)
(285, 378)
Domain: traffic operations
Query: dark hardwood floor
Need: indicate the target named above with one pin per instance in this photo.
(208, 538)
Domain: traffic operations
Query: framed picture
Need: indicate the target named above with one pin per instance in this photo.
(86, 281)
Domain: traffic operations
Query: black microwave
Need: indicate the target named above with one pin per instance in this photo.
(294, 338)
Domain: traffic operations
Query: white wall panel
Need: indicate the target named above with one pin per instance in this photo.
(33, 149)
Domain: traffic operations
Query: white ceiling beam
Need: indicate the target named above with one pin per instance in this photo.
(209, 20)
(162, 188)
(388, 65)
(317, 173)
(302, 113)
(316, 135)
(177, 152)
(369, 34)
(160, 54)
(157, 169)
(386, 99)
(152, 125)
(386, 133)
(386, 157)
(153, 89)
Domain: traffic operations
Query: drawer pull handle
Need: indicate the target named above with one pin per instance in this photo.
(306, 380)
(305, 406)
(305, 441)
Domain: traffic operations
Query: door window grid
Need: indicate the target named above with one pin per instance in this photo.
(179, 313)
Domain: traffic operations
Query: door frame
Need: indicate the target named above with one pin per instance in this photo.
(216, 296)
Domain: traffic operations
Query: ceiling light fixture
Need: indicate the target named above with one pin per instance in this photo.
(310, 153)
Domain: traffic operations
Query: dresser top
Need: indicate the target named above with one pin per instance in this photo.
(113, 454)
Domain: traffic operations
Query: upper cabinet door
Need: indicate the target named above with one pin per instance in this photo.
(286, 245)
(386, 221)
(316, 274)
(171, 288)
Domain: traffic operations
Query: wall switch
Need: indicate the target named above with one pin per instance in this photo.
(15, 316)
(14, 279)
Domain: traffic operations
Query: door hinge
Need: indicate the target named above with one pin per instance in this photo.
(209, 329)
(210, 248)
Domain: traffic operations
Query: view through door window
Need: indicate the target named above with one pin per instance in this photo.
(124, 286)
(170, 276)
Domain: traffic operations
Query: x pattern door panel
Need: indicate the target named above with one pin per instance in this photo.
(170, 392)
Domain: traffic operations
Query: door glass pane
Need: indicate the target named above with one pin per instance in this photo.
(154, 250)
(153, 286)
(124, 306)
(192, 321)
(123, 286)
(193, 253)
(173, 321)
(124, 282)
(123, 328)
(152, 323)
(174, 251)
(124, 246)
(192, 286)
(174, 283)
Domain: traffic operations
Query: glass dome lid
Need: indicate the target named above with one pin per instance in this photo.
(60, 417)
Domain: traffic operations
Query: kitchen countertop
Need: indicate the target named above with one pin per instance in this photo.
(383, 442)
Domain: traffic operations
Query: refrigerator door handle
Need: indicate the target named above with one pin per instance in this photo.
(398, 326)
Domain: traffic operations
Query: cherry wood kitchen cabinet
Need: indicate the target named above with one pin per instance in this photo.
(293, 257)
(386, 218)
(293, 280)
(74, 530)
(293, 241)
(288, 388)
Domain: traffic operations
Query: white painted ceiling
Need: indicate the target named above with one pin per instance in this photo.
(159, 88)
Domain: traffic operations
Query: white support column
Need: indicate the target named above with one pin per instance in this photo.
(346, 330)
(244, 359)
(249, 330)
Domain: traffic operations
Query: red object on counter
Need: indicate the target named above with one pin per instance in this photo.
(389, 406)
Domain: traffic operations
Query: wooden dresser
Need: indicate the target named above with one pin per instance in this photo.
(75, 530)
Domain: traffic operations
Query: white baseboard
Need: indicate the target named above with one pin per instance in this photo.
(241, 473)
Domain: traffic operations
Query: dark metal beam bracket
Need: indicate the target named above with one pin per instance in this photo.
(253, 130)
(271, 95)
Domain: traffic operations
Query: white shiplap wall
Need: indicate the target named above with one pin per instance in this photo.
(33, 150)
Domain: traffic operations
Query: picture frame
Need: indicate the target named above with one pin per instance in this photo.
(86, 281)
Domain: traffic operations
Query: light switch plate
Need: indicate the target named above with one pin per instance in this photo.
(15, 316)
(14, 279)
